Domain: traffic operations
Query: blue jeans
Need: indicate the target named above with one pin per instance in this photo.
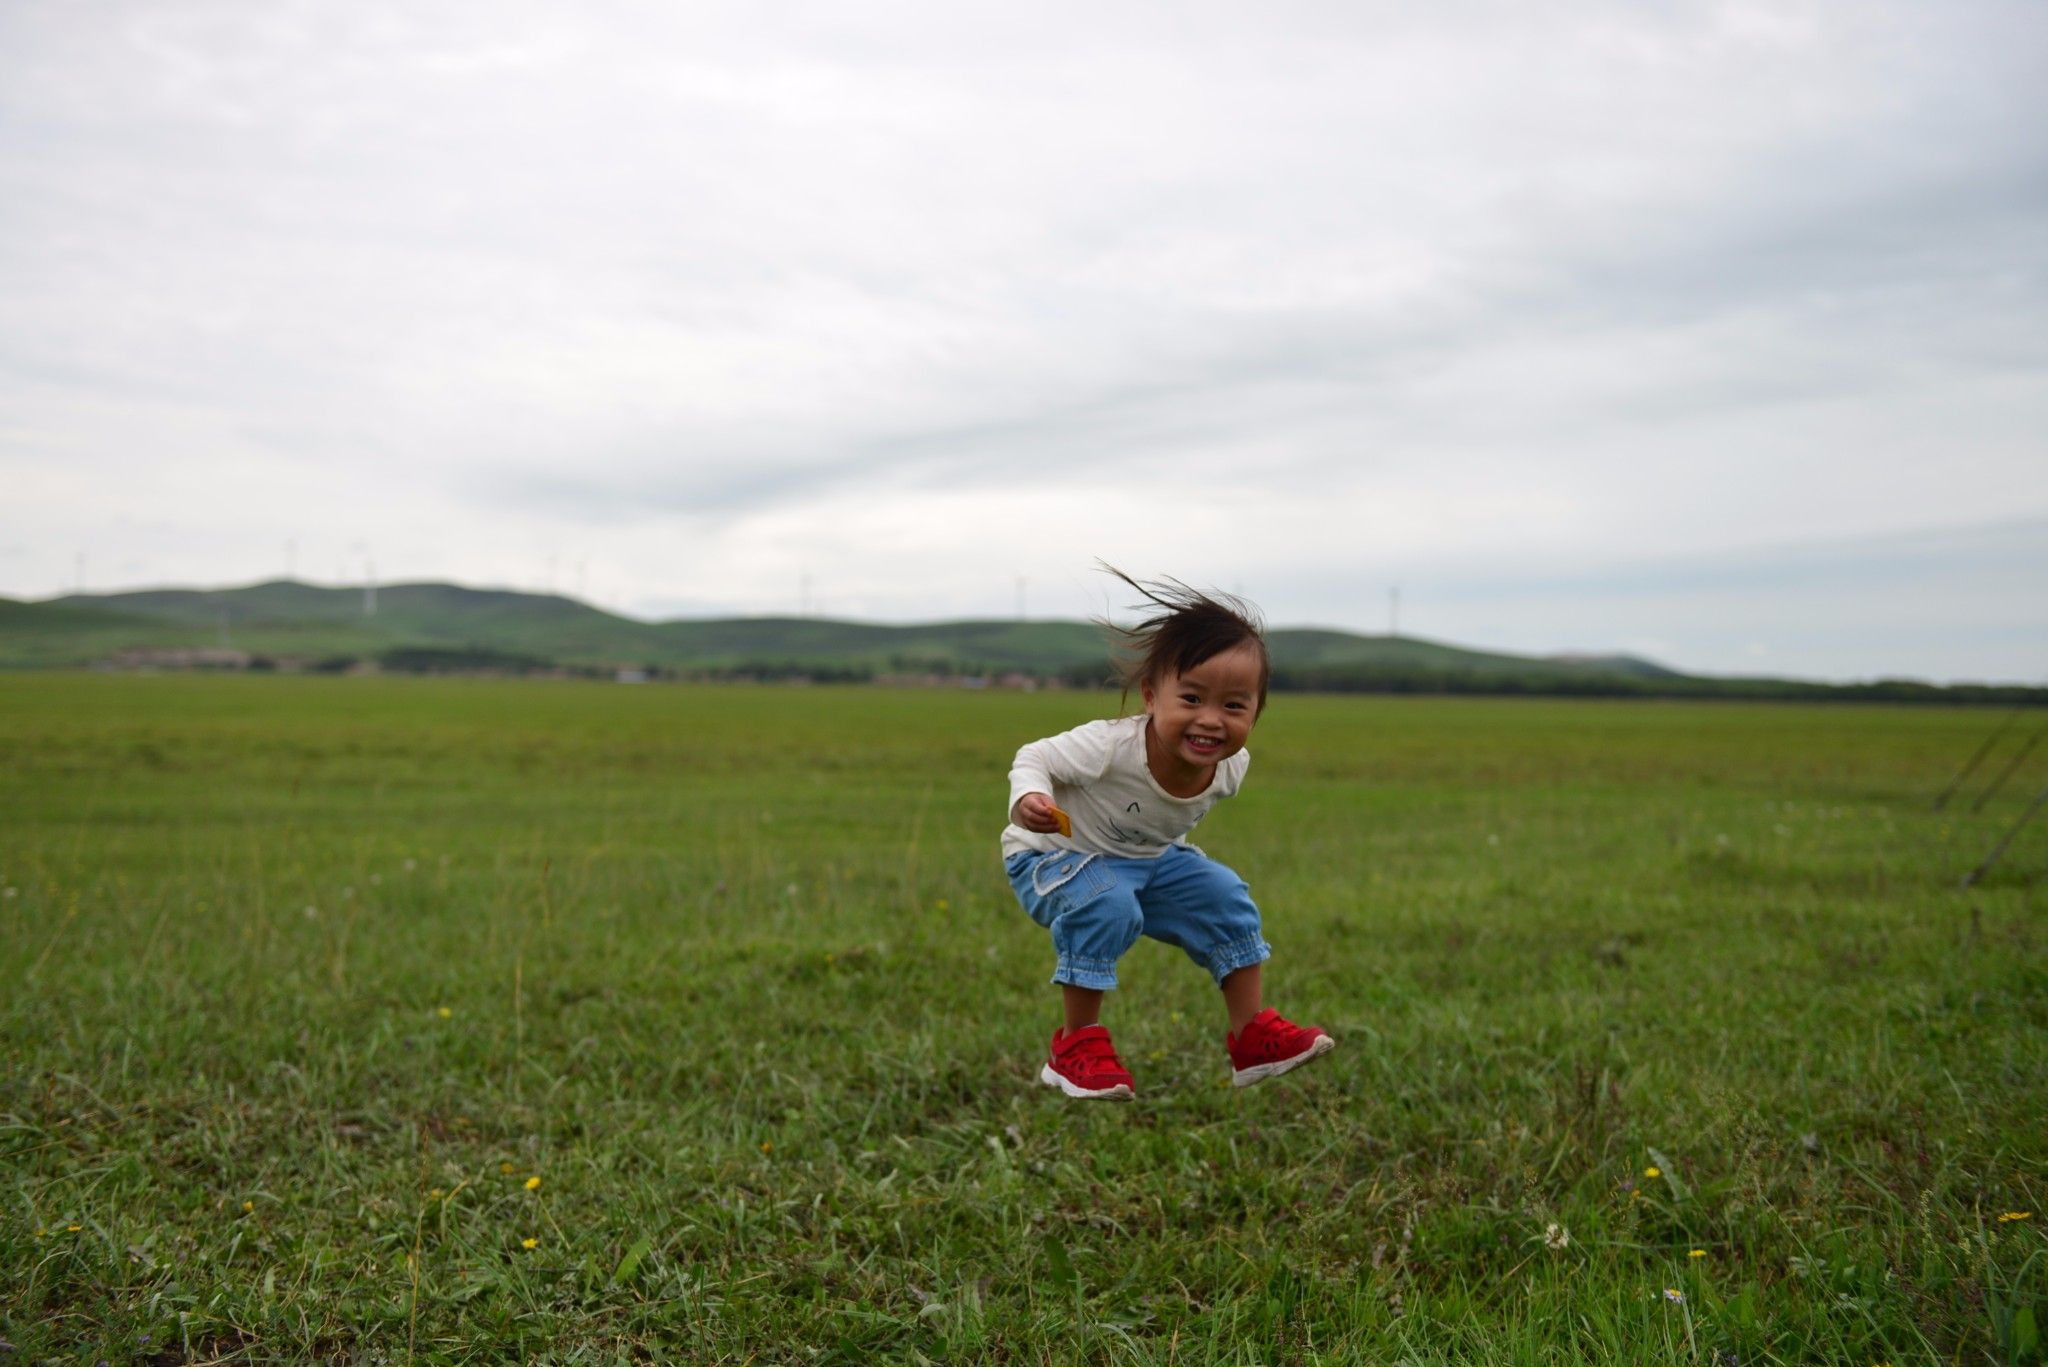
(1097, 905)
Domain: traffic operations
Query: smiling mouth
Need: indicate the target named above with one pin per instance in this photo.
(1203, 743)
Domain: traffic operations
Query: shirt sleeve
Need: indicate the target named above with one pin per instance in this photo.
(1232, 776)
(1075, 757)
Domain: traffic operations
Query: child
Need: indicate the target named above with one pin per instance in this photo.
(1129, 790)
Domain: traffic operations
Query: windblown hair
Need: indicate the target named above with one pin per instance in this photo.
(1186, 628)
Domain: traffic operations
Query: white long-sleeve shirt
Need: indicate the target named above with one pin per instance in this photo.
(1097, 775)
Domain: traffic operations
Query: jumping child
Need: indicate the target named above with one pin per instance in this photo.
(1096, 845)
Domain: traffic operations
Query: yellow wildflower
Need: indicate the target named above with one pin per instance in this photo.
(436, 1194)
(1653, 1173)
(444, 1012)
(248, 1205)
(507, 1168)
(533, 1183)
(74, 1228)
(767, 1146)
(2012, 1215)
(1697, 1253)
(529, 1244)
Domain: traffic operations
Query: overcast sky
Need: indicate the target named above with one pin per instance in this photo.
(1714, 332)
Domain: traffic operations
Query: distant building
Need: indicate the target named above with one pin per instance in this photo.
(180, 657)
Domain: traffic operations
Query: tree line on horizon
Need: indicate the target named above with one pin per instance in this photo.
(1357, 679)
(284, 626)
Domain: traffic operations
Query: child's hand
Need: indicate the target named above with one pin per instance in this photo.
(1035, 812)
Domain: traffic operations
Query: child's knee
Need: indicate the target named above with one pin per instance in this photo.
(1111, 913)
(1208, 911)
(1093, 934)
(1220, 903)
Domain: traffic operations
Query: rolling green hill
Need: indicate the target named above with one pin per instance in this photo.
(284, 619)
(446, 627)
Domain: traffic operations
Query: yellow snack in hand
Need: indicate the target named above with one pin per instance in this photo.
(1066, 823)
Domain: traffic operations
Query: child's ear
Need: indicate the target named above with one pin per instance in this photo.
(1145, 691)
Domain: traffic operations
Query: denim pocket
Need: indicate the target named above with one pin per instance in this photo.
(1050, 885)
(1055, 871)
(1079, 880)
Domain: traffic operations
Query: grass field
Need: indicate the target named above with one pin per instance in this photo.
(378, 1020)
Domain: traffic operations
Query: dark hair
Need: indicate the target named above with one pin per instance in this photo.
(1188, 628)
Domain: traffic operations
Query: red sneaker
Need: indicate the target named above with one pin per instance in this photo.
(1271, 1044)
(1084, 1063)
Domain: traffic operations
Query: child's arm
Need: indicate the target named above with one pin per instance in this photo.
(1035, 812)
(1075, 758)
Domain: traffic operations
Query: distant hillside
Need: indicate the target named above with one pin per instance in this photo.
(1310, 649)
(284, 619)
(444, 627)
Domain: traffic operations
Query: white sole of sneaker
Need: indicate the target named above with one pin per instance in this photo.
(1259, 1072)
(1052, 1079)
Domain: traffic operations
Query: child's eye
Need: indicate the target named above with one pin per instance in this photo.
(1189, 697)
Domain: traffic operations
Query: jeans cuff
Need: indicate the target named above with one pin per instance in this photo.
(1227, 959)
(1075, 971)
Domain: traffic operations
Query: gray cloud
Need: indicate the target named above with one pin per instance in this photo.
(721, 296)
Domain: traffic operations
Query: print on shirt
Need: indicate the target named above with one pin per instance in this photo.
(1124, 837)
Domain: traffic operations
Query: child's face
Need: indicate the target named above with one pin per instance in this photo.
(1202, 717)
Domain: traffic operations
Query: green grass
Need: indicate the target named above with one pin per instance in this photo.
(302, 979)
